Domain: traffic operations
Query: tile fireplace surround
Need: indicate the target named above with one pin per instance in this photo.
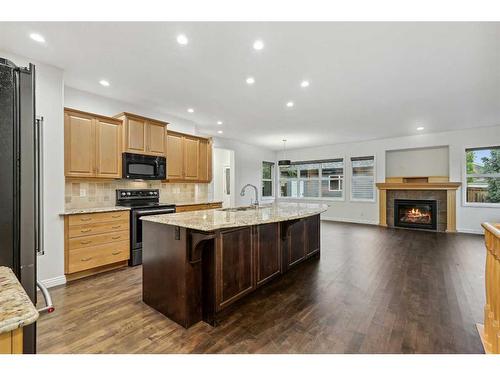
(436, 188)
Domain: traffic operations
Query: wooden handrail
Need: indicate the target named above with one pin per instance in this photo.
(490, 334)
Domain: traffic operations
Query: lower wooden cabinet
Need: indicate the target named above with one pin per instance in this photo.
(96, 242)
(267, 252)
(11, 342)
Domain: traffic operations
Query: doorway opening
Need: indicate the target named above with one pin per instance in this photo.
(223, 176)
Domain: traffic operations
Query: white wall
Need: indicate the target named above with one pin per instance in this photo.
(86, 101)
(428, 161)
(247, 166)
(49, 104)
(469, 218)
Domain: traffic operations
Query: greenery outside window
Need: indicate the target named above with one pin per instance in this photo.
(483, 175)
(267, 179)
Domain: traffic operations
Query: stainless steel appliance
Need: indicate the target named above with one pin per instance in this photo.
(143, 167)
(21, 194)
(142, 202)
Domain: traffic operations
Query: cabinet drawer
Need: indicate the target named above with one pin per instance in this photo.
(97, 228)
(97, 239)
(96, 256)
(100, 217)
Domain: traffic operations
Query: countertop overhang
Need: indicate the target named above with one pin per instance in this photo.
(16, 308)
(211, 220)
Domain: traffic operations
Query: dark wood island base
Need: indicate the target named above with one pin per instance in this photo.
(191, 276)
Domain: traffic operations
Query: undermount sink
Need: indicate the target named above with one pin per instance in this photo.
(236, 209)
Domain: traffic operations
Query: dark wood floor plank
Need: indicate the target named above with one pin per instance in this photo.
(374, 290)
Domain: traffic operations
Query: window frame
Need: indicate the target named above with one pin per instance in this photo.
(465, 203)
(272, 179)
(320, 178)
(374, 187)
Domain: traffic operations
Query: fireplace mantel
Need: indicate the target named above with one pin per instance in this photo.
(420, 183)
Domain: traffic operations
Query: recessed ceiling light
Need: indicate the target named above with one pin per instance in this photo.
(258, 45)
(190, 110)
(420, 128)
(304, 84)
(290, 104)
(37, 38)
(250, 80)
(182, 39)
(220, 131)
(103, 82)
(219, 122)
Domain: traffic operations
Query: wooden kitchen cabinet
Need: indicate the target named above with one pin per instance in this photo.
(11, 342)
(142, 135)
(267, 252)
(189, 158)
(92, 145)
(294, 244)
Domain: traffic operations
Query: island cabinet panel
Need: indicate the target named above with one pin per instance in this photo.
(312, 234)
(295, 249)
(267, 252)
(234, 265)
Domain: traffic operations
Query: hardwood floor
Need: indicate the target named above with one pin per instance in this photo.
(374, 290)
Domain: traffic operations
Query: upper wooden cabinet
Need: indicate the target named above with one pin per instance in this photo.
(189, 158)
(92, 145)
(142, 135)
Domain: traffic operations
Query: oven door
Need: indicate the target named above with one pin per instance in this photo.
(144, 167)
(136, 214)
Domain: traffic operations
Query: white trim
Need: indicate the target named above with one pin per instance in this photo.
(55, 281)
(481, 205)
(470, 231)
(349, 220)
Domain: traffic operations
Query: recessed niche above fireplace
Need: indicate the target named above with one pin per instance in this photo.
(415, 213)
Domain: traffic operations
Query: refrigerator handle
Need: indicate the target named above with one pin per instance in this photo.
(49, 306)
(39, 237)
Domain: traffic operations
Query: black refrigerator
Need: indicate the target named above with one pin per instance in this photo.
(21, 229)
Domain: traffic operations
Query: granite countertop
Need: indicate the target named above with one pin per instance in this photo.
(210, 220)
(194, 202)
(16, 308)
(93, 210)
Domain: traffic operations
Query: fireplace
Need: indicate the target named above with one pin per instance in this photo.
(415, 213)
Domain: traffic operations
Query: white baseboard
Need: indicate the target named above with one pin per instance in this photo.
(59, 280)
(471, 231)
(348, 220)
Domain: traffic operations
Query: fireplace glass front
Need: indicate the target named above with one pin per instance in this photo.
(418, 214)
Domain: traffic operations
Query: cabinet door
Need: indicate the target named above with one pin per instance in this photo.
(234, 268)
(156, 139)
(191, 158)
(203, 161)
(312, 234)
(108, 149)
(296, 242)
(135, 135)
(267, 252)
(175, 157)
(79, 145)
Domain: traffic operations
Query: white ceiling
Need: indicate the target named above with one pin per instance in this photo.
(368, 80)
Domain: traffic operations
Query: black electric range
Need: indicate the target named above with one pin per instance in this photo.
(142, 202)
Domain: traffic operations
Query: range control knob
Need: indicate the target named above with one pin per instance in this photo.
(128, 192)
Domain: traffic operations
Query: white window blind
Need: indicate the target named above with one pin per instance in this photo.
(363, 178)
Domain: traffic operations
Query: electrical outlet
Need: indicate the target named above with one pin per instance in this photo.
(83, 192)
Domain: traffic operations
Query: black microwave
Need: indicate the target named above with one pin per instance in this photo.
(144, 167)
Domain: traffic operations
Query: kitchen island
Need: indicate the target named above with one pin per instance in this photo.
(196, 264)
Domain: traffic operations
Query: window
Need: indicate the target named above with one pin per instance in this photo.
(363, 178)
(483, 175)
(313, 179)
(267, 179)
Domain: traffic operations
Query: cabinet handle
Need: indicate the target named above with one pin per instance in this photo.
(86, 259)
(115, 216)
(116, 252)
(85, 242)
(85, 230)
(116, 226)
(85, 219)
(115, 238)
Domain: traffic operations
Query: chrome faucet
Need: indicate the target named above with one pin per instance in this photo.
(242, 193)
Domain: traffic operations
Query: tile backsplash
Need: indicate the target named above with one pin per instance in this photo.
(86, 193)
